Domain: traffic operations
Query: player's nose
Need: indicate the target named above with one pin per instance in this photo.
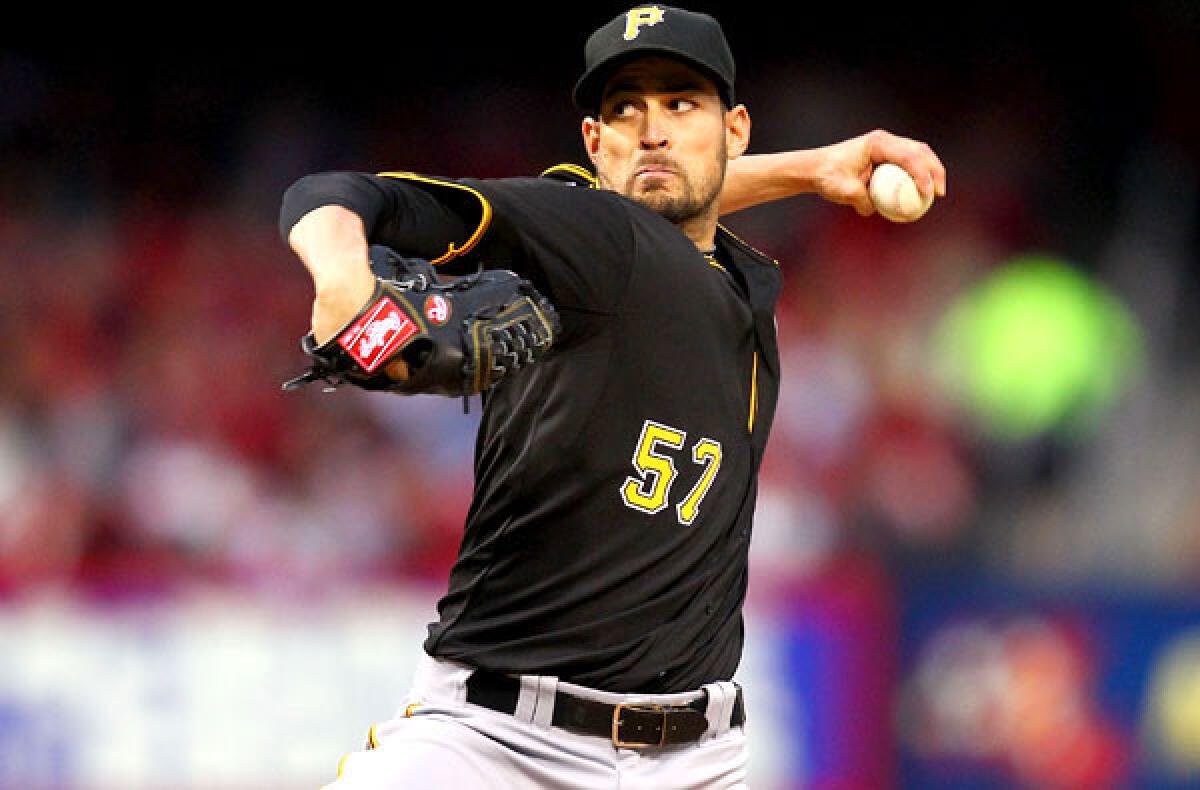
(655, 134)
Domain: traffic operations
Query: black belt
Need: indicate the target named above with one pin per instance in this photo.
(633, 724)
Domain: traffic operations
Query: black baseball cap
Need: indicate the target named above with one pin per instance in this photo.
(692, 37)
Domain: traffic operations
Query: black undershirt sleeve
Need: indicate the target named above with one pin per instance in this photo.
(408, 219)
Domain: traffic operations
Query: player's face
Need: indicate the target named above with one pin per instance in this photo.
(663, 138)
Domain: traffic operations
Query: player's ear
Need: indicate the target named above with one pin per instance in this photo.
(737, 131)
(591, 137)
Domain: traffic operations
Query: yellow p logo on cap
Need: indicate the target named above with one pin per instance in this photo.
(638, 18)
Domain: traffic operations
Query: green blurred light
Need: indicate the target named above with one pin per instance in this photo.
(1035, 347)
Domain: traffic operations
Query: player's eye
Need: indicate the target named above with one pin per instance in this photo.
(623, 108)
(682, 105)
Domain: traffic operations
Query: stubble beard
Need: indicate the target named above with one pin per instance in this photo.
(692, 201)
(677, 209)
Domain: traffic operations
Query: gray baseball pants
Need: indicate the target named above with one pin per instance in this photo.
(439, 740)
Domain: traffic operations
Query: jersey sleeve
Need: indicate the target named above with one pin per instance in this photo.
(413, 221)
(574, 243)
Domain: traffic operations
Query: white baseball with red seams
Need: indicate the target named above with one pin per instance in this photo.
(894, 194)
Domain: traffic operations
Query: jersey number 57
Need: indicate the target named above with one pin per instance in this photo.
(650, 490)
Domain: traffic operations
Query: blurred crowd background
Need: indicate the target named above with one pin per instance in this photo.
(989, 427)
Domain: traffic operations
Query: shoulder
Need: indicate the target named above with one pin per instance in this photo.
(570, 174)
(562, 182)
(552, 186)
(564, 197)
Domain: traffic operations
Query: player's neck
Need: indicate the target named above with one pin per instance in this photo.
(701, 229)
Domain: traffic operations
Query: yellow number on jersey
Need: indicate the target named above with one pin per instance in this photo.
(707, 452)
(650, 491)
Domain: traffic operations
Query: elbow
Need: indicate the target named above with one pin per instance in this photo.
(313, 191)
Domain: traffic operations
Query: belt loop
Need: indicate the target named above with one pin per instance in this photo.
(527, 699)
(721, 699)
(543, 712)
(535, 700)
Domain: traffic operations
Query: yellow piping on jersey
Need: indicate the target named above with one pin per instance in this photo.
(485, 218)
(753, 394)
(572, 169)
(743, 242)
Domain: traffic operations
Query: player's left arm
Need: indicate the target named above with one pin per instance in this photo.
(840, 172)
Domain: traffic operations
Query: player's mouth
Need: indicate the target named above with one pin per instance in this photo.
(654, 170)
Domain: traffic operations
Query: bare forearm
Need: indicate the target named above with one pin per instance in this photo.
(839, 173)
(332, 244)
(761, 178)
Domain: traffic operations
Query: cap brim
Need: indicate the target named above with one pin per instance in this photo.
(589, 90)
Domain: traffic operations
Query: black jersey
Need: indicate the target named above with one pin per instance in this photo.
(615, 480)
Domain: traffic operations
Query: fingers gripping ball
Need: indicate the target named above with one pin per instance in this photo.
(457, 337)
(894, 194)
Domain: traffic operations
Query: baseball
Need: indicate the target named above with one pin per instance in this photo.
(895, 195)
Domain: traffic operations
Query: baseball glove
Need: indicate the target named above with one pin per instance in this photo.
(458, 337)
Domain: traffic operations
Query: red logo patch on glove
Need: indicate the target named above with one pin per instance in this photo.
(437, 309)
(377, 334)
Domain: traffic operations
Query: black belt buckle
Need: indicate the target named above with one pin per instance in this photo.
(641, 716)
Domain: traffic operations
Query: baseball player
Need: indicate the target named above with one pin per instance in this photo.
(593, 618)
